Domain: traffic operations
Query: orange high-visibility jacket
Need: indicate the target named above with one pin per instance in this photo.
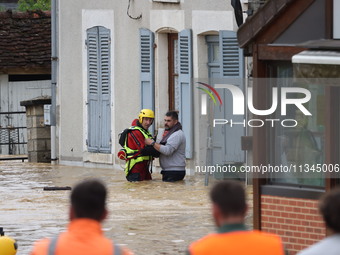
(238, 243)
(84, 237)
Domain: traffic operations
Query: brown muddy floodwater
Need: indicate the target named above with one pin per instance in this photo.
(149, 217)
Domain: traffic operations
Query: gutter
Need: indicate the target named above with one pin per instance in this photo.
(317, 57)
(54, 65)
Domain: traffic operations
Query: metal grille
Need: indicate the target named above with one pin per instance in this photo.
(9, 135)
(12, 139)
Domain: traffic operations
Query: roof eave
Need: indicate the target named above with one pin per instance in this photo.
(257, 23)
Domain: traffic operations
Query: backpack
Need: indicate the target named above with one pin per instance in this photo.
(122, 136)
(147, 151)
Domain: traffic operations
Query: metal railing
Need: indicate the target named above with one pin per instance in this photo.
(12, 137)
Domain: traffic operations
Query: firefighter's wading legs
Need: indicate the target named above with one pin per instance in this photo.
(139, 172)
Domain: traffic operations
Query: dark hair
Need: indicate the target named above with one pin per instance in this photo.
(172, 114)
(230, 197)
(88, 199)
(329, 207)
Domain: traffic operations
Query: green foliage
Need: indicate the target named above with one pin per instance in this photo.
(32, 5)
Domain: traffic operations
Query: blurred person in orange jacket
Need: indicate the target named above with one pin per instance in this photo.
(229, 210)
(84, 235)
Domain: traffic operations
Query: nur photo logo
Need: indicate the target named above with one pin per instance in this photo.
(282, 98)
(210, 91)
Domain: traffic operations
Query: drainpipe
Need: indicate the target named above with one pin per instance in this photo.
(54, 65)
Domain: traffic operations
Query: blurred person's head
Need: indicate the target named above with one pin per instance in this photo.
(229, 202)
(88, 200)
(329, 207)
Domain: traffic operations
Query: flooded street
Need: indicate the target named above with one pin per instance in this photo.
(149, 217)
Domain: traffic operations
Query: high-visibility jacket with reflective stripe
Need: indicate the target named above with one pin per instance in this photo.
(53, 245)
(238, 243)
(84, 237)
(133, 156)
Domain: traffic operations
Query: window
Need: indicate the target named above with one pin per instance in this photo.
(225, 65)
(300, 148)
(182, 68)
(174, 92)
(99, 90)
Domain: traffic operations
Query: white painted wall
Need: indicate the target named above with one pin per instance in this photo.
(70, 83)
(203, 17)
(167, 18)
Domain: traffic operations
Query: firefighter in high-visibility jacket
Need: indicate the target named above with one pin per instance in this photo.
(229, 210)
(138, 166)
(84, 235)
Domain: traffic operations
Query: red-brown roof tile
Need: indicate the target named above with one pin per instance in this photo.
(25, 41)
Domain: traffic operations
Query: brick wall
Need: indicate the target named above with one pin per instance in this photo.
(297, 221)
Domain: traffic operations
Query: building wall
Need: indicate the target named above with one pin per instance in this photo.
(297, 221)
(76, 16)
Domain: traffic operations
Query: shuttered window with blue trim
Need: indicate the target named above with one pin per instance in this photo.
(227, 138)
(185, 88)
(99, 91)
(147, 80)
(231, 55)
(147, 69)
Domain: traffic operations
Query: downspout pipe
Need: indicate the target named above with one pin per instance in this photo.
(54, 66)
